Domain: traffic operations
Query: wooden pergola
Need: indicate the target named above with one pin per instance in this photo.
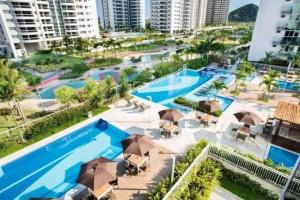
(287, 131)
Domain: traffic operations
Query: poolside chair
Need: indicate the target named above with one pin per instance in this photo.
(143, 107)
(128, 102)
(178, 131)
(136, 105)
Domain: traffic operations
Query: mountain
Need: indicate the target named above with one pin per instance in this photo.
(246, 13)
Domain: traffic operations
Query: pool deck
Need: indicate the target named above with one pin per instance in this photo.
(133, 121)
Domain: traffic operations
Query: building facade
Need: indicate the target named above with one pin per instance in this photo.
(29, 25)
(120, 15)
(217, 12)
(175, 16)
(276, 30)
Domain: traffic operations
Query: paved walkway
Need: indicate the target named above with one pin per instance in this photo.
(221, 194)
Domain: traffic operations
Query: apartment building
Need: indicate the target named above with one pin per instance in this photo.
(276, 30)
(175, 16)
(29, 25)
(120, 15)
(217, 12)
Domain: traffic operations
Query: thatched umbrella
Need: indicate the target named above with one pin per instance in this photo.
(170, 115)
(209, 106)
(137, 145)
(248, 117)
(97, 172)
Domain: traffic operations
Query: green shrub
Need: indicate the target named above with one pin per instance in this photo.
(197, 63)
(181, 165)
(194, 105)
(200, 182)
(142, 77)
(44, 51)
(166, 68)
(47, 125)
(243, 186)
(105, 62)
(76, 71)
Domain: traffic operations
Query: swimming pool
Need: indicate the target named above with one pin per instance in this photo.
(184, 83)
(49, 93)
(288, 85)
(164, 90)
(281, 156)
(52, 170)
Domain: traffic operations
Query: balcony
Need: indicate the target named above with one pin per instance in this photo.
(286, 11)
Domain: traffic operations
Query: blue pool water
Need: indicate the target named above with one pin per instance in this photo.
(177, 84)
(52, 170)
(49, 93)
(184, 83)
(282, 157)
(288, 85)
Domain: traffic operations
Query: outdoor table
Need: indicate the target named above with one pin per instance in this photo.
(138, 161)
(243, 132)
(170, 128)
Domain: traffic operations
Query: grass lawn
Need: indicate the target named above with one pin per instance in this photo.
(143, 47)
(105, 62)
(5, 124)
(50, 62)
(240, 191)
(8, 148)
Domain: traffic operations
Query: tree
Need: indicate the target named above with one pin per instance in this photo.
(65, 95)
(143, 77)
(12, 88)
(109, 87)
(247, 68)
(270, 83)
(67, 42)
(177, 59)
(239, 75)
(217, 85)
(273, 74)
(268, 58)
(294, 59)
(124, 86)
(93, 92)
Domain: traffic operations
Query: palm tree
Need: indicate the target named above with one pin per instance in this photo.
(270, 83)
(96, 44)
(273, 73)
(67, 43)
(268, 58)
(177, 59)
(217, 85)
(239, 75)
(294, 59)
(247, 68)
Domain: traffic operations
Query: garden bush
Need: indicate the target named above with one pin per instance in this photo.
(197, 63)
(194, 105)
(44, 51)
(166, 68)
(142, 77)
(76, 71)
(181, 165)
(244, 187)
(105, 62)
(199, 184)
(47, 125)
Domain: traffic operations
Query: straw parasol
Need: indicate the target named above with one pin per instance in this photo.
(248, 117)
(170, 115)
(137, 145)
(97, 172)
(209, 106)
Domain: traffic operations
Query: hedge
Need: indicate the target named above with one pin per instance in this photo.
(194, 105)
(181, 166)
(244, 187)
(46, 127)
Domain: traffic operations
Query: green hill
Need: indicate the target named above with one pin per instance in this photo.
(245, 13)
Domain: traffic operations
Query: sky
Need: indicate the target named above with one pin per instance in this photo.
(234, 4)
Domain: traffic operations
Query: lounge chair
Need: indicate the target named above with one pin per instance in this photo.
(136, 105)
(178, 131)
(103, 191)
(128, 102)
(143, 107)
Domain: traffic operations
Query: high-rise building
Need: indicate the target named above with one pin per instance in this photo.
(175, 16)
(276, 30)
(29, 25)
(119, 15)
(217, 12)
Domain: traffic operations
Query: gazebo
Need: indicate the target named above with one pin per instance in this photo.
(286, 132)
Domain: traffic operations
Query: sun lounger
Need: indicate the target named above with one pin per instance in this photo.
(136, 105)
(143, 107)
(128, 102)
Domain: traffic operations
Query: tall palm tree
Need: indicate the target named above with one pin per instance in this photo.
(217, 85)
(247, 68)
(270, 83)
(274, 74)
(268, 57)
(294, 59)
(239, 75)
(177, 59)
(95, 45)
(67, 42)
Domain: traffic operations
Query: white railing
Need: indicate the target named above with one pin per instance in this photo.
(202, 156)
(256, 168)
(251, 166)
